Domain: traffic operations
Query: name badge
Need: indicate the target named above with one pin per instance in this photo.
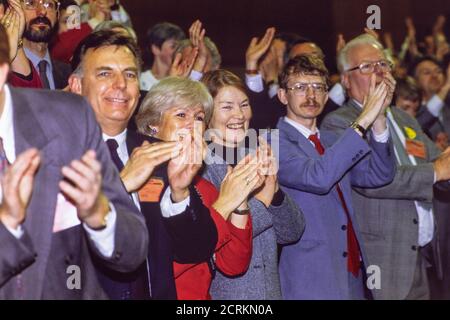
(416, 148)
(151, 191)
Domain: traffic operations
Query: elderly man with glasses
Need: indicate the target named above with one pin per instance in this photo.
(318, 172)
(396, 221)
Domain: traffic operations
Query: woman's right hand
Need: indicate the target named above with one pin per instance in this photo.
(237, 185)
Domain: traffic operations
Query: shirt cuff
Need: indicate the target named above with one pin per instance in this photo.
(254, 82)
(104, 239)
(170, 209)
(435, 105)
(382, 137)
(195, 75)
(337, 94)
(17, 233)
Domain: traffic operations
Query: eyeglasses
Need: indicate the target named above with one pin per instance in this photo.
(300, 89)
(47, 4)
(369, 67)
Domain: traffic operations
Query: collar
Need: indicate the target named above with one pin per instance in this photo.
(120, 138)
(301, 128)
(7, 127)
(35, 59)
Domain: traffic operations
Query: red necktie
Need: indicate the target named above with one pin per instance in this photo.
(353, 261)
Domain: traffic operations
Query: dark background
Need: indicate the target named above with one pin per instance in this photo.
(232, 23)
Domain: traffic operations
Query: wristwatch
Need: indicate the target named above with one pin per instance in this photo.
(359, 128)
(242, 212)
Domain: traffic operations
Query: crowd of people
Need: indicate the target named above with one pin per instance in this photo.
(161, 175)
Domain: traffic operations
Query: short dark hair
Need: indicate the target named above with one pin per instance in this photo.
(160, 33)
(104, 38)
(407, 89)
(303, 64)
(415, 63)
(217, 79)
(4, 46)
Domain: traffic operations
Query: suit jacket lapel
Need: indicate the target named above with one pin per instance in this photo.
(402, 123)
(293, 135)
(29, 133)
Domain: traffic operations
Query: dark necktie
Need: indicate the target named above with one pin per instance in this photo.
(113, 146)
(353, 254)
(42, 65)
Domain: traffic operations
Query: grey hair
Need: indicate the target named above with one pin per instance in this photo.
(168, 93)
(216, 58)
(364, 39)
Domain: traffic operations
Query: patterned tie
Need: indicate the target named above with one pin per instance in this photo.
(353, 255)
(42, 65)
(113, 146)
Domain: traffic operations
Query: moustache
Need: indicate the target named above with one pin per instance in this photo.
(311, 103)
(41, 20)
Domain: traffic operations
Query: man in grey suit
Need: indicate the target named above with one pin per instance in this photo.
(396, 221)
(63, 206)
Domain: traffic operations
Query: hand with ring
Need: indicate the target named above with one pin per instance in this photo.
(238, 184)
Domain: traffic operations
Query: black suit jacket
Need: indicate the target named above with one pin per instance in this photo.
(61, 74)
(189, 237)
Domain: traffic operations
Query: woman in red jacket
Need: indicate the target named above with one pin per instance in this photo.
(176, 110)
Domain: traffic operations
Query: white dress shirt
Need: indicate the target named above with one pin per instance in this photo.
(103, 239)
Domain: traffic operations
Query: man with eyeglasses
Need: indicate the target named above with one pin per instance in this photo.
(396, 221)
(40, 25)
(328, 261)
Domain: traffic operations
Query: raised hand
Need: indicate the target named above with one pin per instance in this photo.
(17, 187)
(388, 41)
(182, 66)
(340, 43)
(268, 169)
(374, 102)
(257, 48)
(182, 169)
(270, 66)
(83, 187)
(442, 166)
(143, 160)
(237, 185)
(197, 36)
(14, 23)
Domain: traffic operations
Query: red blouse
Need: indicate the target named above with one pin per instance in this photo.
(232, 254)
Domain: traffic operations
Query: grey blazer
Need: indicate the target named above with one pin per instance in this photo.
(271, 226)
(387, 216)
(62, 127)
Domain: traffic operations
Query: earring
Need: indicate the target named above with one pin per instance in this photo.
(153, 131)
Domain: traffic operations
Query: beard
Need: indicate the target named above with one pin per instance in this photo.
(41, 34)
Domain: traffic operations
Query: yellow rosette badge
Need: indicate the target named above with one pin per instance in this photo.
(410, 133)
